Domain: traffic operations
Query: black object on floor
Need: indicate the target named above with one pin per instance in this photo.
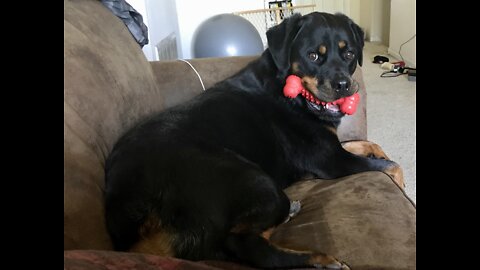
(378, 59)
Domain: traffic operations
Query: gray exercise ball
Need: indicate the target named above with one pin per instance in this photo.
(226, 35)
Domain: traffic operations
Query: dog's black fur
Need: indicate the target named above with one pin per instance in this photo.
(209, 173)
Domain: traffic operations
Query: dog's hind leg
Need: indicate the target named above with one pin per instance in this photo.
(248, 240)
(259, 252)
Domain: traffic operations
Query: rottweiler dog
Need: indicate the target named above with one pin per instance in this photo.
(204, 180)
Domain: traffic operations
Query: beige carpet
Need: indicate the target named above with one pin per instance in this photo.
(391, 114)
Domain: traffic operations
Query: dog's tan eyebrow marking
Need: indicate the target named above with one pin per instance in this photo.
(341, 44)
(322, 49)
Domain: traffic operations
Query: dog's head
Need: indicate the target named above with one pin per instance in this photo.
(323, 50)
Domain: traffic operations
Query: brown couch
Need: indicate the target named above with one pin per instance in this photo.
(364, 219)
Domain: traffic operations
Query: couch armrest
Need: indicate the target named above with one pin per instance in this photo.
(354, 127)
(364, 219)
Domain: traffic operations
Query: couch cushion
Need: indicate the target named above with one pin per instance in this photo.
(108, 86)
(364, 219)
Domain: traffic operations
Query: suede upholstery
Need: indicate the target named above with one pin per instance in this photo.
(364, 219)
(108, 87)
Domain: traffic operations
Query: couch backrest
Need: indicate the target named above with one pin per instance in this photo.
(108, 86)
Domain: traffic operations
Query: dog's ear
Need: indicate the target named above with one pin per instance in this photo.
(280, 39)
(359, 36)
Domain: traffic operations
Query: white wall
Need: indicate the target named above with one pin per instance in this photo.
(402, 28)
(374, 20)
(385, 22)
(330, 6)
(162, 17)
(365, 22)
(372, 15)
(184, 16)
(352, 9)
(377, 20)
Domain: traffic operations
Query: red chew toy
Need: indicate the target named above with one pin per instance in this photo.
(293, 87)
(349, 104)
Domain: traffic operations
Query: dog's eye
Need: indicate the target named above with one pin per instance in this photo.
(349, 55)
(313, 56)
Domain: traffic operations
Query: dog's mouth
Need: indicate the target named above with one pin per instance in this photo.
(344, 105)
(327, 107)
(330, 107)
(341, 106)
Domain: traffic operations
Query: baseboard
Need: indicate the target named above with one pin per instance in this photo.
(408, 62)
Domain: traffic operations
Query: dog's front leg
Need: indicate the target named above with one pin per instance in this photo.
(343, 163)
(372, 163)
(372, 150)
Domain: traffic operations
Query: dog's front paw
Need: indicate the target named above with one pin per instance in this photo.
(396, 172)
(322, 261)
(365, 149)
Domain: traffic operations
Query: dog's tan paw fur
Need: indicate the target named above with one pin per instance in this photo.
(373, 150)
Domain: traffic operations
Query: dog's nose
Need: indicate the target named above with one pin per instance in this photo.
(342, 85)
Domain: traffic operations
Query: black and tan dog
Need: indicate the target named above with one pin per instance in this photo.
(203, 180)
